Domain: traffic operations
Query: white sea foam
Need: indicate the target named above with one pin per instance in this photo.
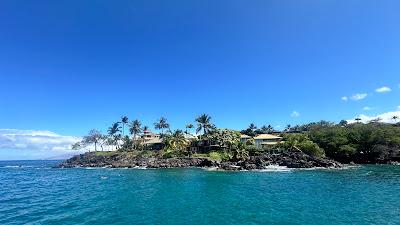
(140, 168)
(11, 166)
(92, 168)
(276, 168)
(14, 166)
(210, 168)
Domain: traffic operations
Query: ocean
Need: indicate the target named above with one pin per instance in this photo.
(32, 192)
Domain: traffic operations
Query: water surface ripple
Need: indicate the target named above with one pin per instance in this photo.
(31, 192)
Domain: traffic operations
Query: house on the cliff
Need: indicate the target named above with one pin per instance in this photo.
(266, 140)
(155, 141)
(244, 138)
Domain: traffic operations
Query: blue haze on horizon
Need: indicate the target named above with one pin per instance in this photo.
(70, 66)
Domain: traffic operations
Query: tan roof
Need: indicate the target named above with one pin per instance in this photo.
(156, 140)
(244, 136)
(266, 137)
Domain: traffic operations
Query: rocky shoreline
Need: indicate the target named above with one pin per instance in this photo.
(289, 160)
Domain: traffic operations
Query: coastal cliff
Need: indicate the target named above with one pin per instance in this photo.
(120, 160)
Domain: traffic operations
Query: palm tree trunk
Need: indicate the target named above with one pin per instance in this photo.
(134, 141)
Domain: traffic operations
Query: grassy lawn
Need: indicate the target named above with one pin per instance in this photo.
(198, 155)
(105, 153)
(217, 156)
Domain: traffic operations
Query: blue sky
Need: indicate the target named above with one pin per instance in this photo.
(69, 66)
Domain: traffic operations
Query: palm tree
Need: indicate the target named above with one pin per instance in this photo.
(252, 127)
(264, 129)
(357, 120)
(267, 129)
(270, 128)
(175, 142)
(288, 127)
(189, 126)
(124, 121)
(395, 118)
(113, 132)
(161, 124)
(146, 128)
(135, 129)
(204, 123)
(376, 120)
(343, 123)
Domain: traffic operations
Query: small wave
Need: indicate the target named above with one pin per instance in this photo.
(210, 168)
(92, 168)
(140, 168)
(11, 166)
(14, 166)
(276, 168)
(345, 167)
(104, 178)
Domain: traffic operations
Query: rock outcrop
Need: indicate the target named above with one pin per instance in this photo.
(290, 160)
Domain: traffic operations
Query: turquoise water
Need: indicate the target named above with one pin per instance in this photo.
(33, 193)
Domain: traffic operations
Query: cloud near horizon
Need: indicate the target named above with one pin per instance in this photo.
(41, 143)
(386, 117)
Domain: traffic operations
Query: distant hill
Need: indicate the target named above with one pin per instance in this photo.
(62, 157)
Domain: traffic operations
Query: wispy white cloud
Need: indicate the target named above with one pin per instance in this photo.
(366, 108)
(386, 117)
(358, 96)
(383, 89)
(295, 114)
(45, 142)
(345, 98)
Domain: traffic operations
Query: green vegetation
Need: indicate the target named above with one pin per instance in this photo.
(361, 143)
(105, 153)
(175, 144)
(253, 131)
(218, 156)
(204, 123)
(374, 142)
(161, 124)
(302, 142)
(214, 155)
(124, 121)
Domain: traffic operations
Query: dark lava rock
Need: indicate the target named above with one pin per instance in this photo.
(120, 160)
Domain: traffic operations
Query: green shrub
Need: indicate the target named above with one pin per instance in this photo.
(311, 148)
(218, 156)
(105, 153)
(146, 153)
(253, 150)
(199, 155)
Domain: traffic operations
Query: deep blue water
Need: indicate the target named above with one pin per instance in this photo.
(31, 192)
